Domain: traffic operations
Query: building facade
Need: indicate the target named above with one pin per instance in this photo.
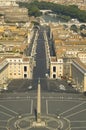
(78, 74)
(15, 67)
(19, 68)
(3, 71)
(16, 14)
(56, 68)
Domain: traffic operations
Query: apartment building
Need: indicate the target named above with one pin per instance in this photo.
(78, 74)
(13, 38)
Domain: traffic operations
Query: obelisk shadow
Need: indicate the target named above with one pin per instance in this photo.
(35, 113)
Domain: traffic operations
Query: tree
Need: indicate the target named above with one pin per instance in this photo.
(34, 11)
(71, 11)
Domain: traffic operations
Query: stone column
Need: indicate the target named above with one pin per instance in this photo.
(84, 82)
(39, 103)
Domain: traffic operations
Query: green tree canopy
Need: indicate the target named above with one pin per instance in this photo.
(71, 11)
(34, 11)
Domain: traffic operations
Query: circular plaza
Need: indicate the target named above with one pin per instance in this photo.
(28, 122)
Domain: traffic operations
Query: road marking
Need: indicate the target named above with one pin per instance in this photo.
(31, 107)
(2, 127)
(3, 121)
(72, 108)
(78, 127)
(8, 109)
(47, 107)
(62, 100)
(75, 113)
(6, 114)
(79, 121)
(19, 99)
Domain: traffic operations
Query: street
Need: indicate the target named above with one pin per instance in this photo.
(40, 59)
(40, 53)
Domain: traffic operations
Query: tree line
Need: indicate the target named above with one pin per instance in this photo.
(71, 11)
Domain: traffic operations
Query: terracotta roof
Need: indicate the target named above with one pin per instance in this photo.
(25, 59)
(2, 58)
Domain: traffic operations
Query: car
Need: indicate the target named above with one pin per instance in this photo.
(30, 87)
(62, 87)
(5, 88)
(47, 75)
(74, 85)
(68, 81)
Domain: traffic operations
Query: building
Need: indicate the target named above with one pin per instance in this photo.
(81, 3)
(16, 14)
(14, 63)
(12, 12)
(19, 67)
(56, 68)
(82, 57)
(15, 67)
(78, 74)
(6, 3)
(67, 45)
(3, 71)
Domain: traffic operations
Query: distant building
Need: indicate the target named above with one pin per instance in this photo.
(82, 57)
(80, 3)
(6, 3)
(16, 15)
(12, 12)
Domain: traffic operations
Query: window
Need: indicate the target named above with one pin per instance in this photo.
(19, 60)
(54, 69)
(54, 76)
(25, 75)
(25, 68)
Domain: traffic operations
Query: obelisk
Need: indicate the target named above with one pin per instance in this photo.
(39, 122)
(39, 103)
